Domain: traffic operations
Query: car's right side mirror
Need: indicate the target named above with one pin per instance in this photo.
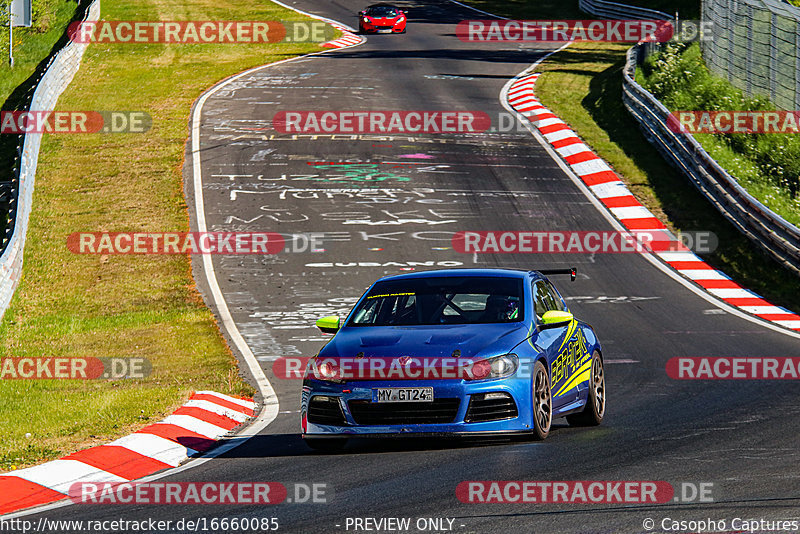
(556, 318)
(328, 325)
(361, 13)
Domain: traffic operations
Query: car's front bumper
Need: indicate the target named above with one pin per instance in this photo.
(377, 28)
(460, 424)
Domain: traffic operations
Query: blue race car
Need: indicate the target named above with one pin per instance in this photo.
(453, 352)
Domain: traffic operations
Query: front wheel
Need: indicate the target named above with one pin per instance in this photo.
(595, 409)
(542, 402)
(326, 444)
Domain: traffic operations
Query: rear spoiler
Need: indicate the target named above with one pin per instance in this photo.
(572, 272)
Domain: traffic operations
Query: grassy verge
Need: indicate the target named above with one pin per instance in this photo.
(583, 86)
(32, 48)
(767, 165)
(34, 44)
(71, 305)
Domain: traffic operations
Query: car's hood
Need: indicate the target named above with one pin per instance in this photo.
(425, 341)
(382, 20)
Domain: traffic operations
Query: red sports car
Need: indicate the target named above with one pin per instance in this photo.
(382, 18)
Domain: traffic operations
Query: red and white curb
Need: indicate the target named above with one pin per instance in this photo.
(193, 428)
(348, 38)
(604, 183)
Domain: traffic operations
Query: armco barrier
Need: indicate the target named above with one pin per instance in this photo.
(613, 10)
(57, 77)
(767, 229)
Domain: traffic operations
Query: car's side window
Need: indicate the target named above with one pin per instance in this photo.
(559, 301)
(546, 298)
(543, 300)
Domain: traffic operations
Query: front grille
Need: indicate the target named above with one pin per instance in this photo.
(384, 27)
(325, 411)
(494, 408)
(440, 411)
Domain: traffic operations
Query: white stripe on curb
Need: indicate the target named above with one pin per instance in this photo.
(155, 447)
(241, 402)
(59, 475)
(195, 425)
(239, 417)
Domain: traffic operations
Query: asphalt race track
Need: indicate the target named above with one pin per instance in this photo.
(400, 213)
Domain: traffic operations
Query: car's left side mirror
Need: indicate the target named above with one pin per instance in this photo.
(362, 13)
(328, 325)
(555, 319)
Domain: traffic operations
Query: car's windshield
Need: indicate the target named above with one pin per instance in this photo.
(441, 300)
(382, 12)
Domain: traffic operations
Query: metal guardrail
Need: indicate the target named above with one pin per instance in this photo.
(616, 11)
(57, 77)
(613, 10)
(767, 229)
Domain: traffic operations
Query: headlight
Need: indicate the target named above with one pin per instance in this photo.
(325, 369)
(367, 20)
(495, 367)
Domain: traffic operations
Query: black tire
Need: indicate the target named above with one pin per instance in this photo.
(595, 409)
(326, 444)
(541, 402)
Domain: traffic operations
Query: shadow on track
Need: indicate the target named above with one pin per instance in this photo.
(282, 445)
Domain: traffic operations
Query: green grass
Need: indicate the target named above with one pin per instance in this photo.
(72, 305)
(32, 47)
(583, 85)
(768, 165)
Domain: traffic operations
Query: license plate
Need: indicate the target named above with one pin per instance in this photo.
(384, 31)
(402, 395)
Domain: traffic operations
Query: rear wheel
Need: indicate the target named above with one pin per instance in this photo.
(326, 444)
(595, 409)
(542, 402)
